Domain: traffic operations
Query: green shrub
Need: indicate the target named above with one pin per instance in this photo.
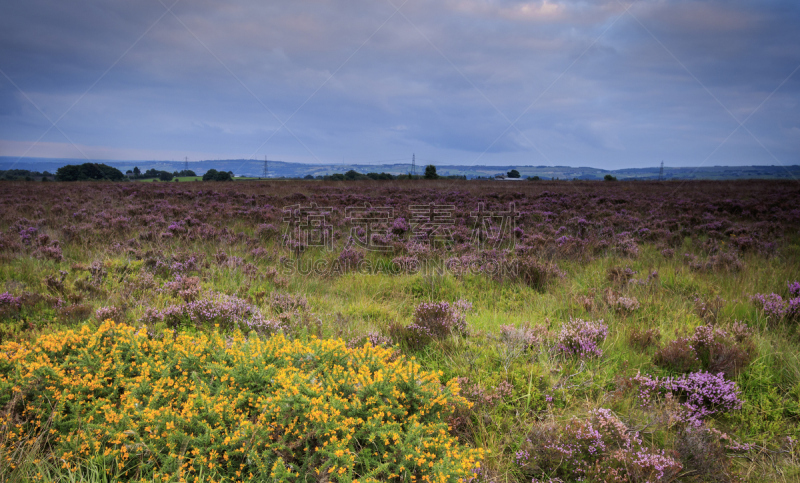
(202, 406)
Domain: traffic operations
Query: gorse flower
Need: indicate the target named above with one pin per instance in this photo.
(244, 409)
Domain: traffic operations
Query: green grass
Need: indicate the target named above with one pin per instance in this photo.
(353, 304)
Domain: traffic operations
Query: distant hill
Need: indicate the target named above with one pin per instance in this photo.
(281, 169)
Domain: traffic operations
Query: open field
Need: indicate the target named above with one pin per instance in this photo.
(403, 331)
(193, 178)
(254, 168)
(179, 178)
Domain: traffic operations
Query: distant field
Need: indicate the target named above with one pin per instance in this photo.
(283, 169)
(442, 330)
(179, 178)
(195, 178)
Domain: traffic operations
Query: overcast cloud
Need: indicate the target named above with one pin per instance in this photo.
(606, 84)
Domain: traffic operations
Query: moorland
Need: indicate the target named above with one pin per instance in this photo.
(400, 331)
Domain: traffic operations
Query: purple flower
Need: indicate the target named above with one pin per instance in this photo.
(440, 319)
(350, 258)
(151, 316)
(267, 231)
(772, 305)
(176, 227)
(522, 457)
(9, 301)
(109, 313)
(582, 338)
(26, 235)
(226, 311)
(599, 448)
(793, 309)
(52, 252)
(400, 226)
(703, 393)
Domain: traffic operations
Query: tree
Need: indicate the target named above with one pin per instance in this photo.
(210, 175)
(223, 176)
(18, 174)
(352, 174)
(136, 171)
(380, 176)
(88, 171)
(152, 173)
(155, 173)
(70, 172)
(430, 172)
(513, 173)
(608, 177)
(535, 178)
(308, 176)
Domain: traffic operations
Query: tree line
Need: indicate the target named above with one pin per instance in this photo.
(23, 175)
(353, 175)
(99, 172)
(87, 172)
(153, 173)
(96, 171)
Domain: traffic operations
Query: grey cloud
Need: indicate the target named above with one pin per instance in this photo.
(359, 72)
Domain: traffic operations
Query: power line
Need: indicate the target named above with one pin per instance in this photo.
(661, 172)
(266, 167)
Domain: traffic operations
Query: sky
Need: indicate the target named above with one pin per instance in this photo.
(606, 84)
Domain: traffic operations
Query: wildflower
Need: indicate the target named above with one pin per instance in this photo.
(582, 338)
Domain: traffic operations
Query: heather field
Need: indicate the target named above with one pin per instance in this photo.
(531, 331)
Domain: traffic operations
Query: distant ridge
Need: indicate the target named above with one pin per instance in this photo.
(278, 169)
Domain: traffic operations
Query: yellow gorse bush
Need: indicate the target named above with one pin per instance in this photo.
(186, 406)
